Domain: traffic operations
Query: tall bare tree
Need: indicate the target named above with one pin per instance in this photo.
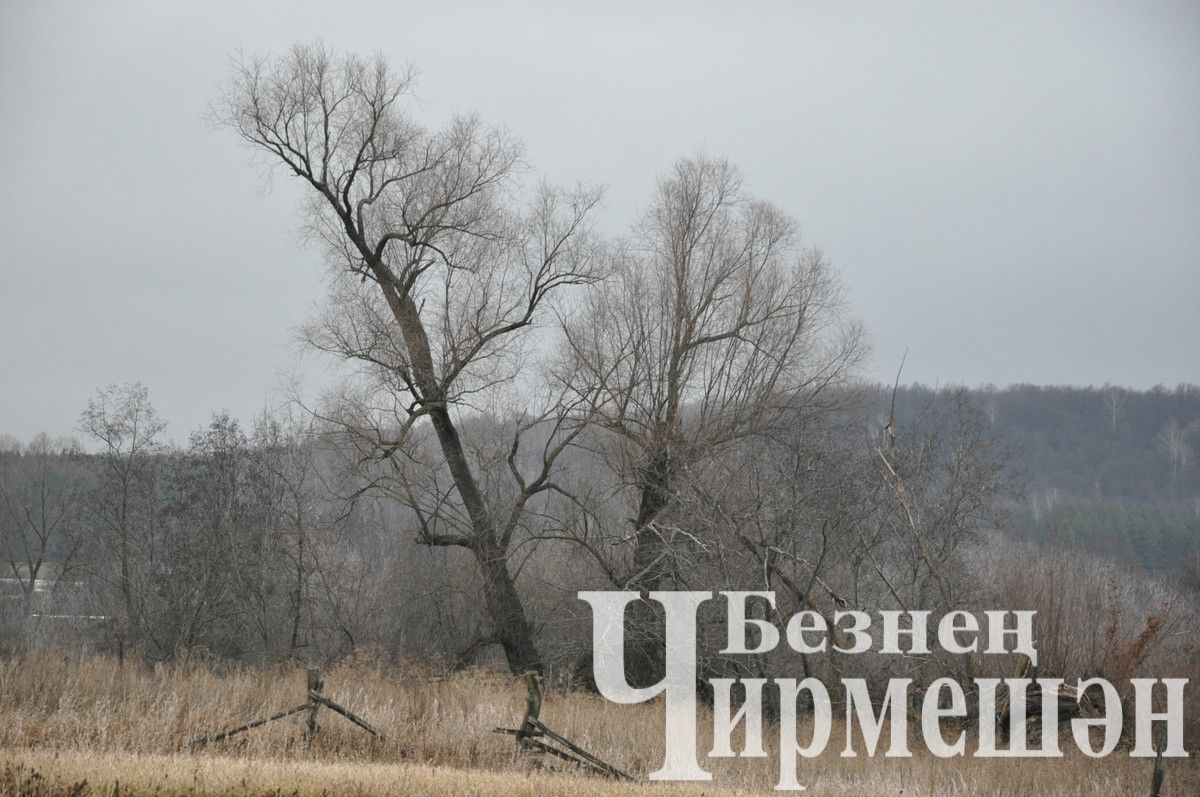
(1114, 404)
(125, 424)
(945, 478)
(440, 264)
(1172, 441)
(211, 558)
(719, 326)
(289, 487)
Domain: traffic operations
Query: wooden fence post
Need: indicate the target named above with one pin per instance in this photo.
(314, 685)
(315, 701)
(1156, 780)
(533, 705)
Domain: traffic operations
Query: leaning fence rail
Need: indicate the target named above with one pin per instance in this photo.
(316, 699)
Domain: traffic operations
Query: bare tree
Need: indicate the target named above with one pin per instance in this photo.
(210, 557)
(125, 424)
(718, 327)
(289, 487)
(1173, 443)
(945, 478)
(991, 407)
(40, 523)
(1114, 404)
(439, 263)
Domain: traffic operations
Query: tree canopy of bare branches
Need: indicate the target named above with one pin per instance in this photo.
(121, 419)
(718, 326)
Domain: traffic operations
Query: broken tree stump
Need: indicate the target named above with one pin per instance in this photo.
(532, 727)
(316, 699)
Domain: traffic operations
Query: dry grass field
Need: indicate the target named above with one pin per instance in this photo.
(92, 727)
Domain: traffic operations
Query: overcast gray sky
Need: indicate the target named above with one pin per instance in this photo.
(1011, 190)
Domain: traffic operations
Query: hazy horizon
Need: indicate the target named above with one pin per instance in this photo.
(1027, 217)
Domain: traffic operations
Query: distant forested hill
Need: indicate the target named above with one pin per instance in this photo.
(1106, 443)
(1111, 470)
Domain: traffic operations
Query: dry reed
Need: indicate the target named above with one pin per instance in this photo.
(70, 719)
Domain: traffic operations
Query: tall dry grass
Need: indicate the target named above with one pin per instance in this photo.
(78, 773)
(71, 719)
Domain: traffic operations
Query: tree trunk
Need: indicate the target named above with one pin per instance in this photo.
(651, 553)
(507, 613)
(645, 662)
(298, 597)
(500, 594)
(129, 633)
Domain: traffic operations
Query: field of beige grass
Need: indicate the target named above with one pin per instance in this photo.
(93, 727)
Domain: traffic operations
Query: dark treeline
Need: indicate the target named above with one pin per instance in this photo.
(1107, 443)
(239, 542)
(271, 541)
(1110, 470)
